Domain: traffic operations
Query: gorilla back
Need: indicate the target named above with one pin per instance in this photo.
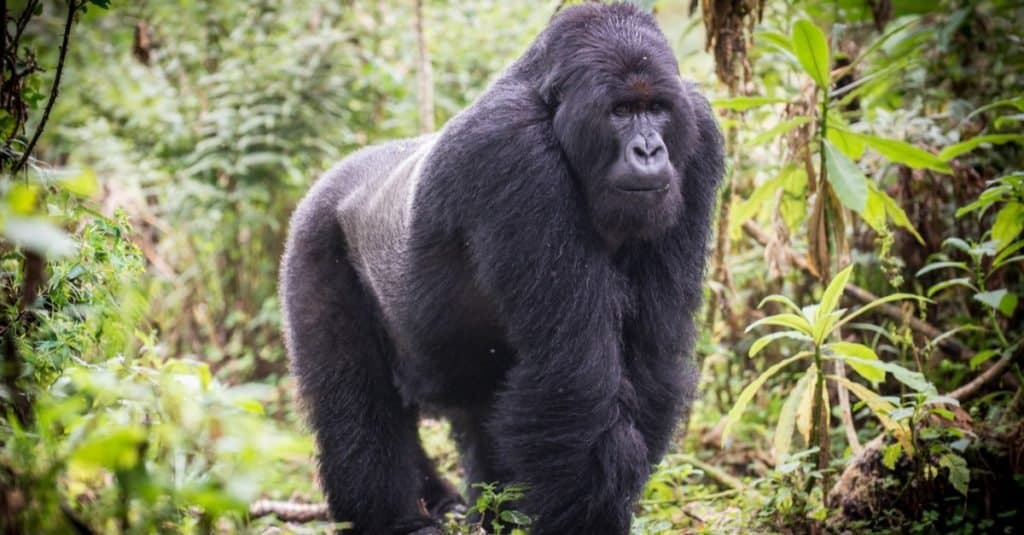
(531, 273)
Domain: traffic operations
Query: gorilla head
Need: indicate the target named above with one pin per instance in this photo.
(622, 117)
(530, 273)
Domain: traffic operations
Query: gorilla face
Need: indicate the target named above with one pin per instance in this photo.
(626, 128)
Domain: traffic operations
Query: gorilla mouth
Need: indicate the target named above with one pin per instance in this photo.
(644, 189)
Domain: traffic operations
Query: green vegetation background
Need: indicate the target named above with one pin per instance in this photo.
(145, 385)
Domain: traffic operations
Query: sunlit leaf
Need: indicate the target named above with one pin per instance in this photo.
(779, 130)
(959, 281)
(782, 300)
(787, 417)
(850, 145)
(763, 341)
(748, 393)
(963, 147)
(847, 180)
(878, 302)
(880, 408)
(805, 409)
(830, 297)
(38, 235)
(783, 320)
(1009, 223)
(810, 47)
(910, 378)
(745, 103)
(894, 211)
(905, 153)
(83, 184)
(861, 358)
(22, 198)
(1002, 300)
(891, 454)
(941, 265)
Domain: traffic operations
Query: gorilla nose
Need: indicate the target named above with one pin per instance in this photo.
(647, 158)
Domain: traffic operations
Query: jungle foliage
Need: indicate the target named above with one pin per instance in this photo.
(869, 242)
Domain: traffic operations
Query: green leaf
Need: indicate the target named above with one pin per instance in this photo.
(22, 198)
(982, 357)
(1008, 224)
(38, 235)
(84, 184)
(962, 266)
(848, 181)
(877, 302)
(953, 151)
(959, 473)
(880, 408)
(864, 360)
(782, 300)
(748, 393)
(905, 153)
(776, 39)
(745, 103)
(792, 321)
(787, 418)
(110, 449)
(959, 281)
(515, 517)
(830, 297)
(811, 49)
(898, 216)
(891, 454)
(1004, 256)
(851, 145)
(914, 380)
(763, 341)
(1002, 300)
(778, 130)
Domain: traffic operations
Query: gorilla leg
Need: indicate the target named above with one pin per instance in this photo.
(439, 495)
(370, 457)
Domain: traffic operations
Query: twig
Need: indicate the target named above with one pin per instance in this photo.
(54, 89)
(714, 472)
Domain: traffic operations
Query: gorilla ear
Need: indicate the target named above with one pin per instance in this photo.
(551, 92)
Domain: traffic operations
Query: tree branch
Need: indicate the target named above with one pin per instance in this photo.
(289, 511)
(54, 89)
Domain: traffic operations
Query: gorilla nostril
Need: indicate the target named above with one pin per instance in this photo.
(639, 151)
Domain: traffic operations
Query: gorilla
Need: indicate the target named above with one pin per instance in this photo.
(530, 273)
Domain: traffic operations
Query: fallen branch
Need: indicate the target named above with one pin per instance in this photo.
(289, 511)
(970, 389)
(715, 473)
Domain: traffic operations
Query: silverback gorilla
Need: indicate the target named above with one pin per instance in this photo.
(531, 273)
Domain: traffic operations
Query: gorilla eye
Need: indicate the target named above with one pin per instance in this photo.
(657, 107)
(622, 110)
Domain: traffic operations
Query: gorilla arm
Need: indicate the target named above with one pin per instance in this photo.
(564, 422)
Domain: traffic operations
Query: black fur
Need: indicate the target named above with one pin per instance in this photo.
(494, 273)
